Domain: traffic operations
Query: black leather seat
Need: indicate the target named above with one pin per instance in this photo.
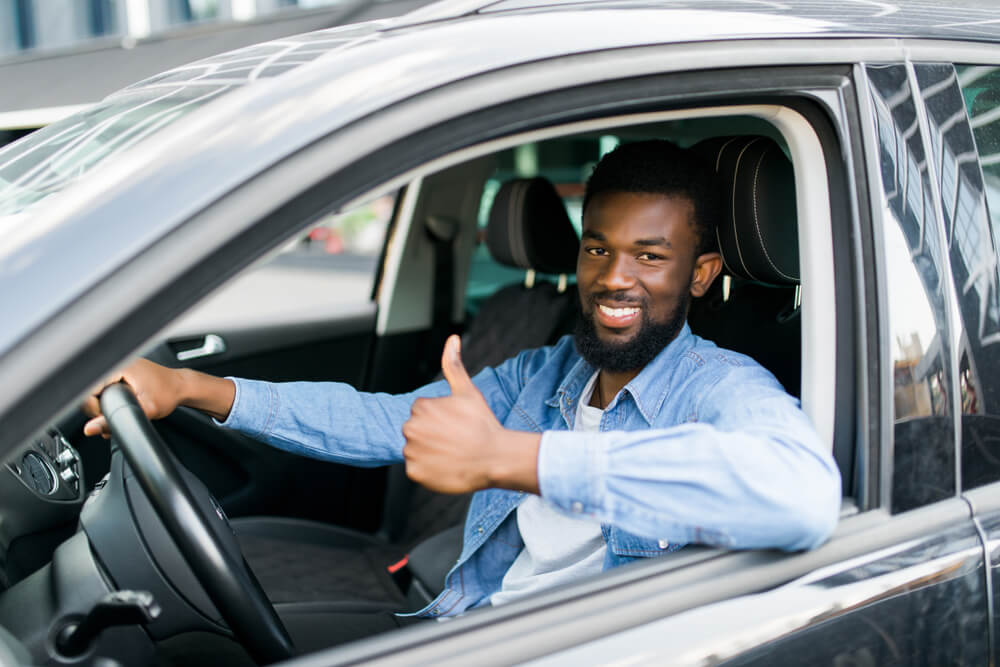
(753, 306)
(313, 569)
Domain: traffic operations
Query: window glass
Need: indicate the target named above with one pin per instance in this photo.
(974, 265)
(920, 340)
(322, 272)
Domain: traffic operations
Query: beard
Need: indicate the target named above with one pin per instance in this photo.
(635, 353)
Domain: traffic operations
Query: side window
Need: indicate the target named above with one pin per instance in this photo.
(977, 275)
(920, 339)
(329, 267)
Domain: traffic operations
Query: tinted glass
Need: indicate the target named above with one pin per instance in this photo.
(974, 259)
(920, 341)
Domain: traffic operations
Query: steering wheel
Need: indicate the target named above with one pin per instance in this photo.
(199, 530)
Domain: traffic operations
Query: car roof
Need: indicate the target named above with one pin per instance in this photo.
(964, 19)
(335, 77)
(975, 20)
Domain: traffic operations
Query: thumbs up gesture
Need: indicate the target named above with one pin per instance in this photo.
(454, 444)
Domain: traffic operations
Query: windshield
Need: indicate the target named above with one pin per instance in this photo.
(48, 160)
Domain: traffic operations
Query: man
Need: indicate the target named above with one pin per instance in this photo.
(629, 439)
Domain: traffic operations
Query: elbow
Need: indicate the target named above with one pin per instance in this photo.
(813, 514)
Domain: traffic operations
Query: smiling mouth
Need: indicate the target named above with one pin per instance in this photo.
(617, 317)
(618, 312)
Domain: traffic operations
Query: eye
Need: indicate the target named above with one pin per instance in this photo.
(649, 256)
(596, 251)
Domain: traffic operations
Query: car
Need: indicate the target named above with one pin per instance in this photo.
(859, 148)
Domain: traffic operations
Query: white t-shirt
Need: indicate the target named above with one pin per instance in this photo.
(558, 548)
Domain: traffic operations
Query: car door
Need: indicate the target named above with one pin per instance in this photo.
(925, 600)
(972, 204)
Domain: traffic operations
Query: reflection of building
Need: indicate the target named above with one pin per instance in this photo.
(912, 394)
(85, 49)
(55, 24)
(970, 240)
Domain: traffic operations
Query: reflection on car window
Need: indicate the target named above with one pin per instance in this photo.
(977, 276)
(56, 156)
(920, 340)
(323, 272)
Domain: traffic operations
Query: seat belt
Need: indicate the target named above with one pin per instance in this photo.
(442, 232)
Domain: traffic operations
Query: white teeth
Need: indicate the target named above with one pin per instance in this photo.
(618, 312)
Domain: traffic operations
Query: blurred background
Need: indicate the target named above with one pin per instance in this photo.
(57, 56)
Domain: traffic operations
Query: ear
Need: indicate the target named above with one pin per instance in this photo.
(706, 268)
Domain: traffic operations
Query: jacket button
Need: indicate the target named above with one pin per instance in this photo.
(577, 506)
(663, 544)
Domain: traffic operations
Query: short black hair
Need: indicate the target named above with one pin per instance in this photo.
(661, 167)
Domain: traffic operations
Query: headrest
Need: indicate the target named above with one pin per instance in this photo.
(530, 229)
(758, 232)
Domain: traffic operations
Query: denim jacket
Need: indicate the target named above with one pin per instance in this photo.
(702, 446)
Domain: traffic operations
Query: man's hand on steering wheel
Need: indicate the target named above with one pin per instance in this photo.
(158, 389)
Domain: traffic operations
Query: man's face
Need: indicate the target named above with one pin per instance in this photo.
(635, 275)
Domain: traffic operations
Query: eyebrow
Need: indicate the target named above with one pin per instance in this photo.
(655, 241)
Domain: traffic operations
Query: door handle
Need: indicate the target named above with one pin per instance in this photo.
(212, 345)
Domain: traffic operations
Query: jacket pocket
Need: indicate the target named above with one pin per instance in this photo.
(625, 544)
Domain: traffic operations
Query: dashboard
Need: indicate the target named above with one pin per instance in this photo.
(50, 467)
(41, 494)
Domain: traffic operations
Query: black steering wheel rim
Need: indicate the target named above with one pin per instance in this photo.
(228, 581)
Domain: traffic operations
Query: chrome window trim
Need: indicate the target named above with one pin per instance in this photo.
(877, 207)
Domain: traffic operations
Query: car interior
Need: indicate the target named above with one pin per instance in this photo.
(486, 248)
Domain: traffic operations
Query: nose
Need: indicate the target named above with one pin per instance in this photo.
(618, 274)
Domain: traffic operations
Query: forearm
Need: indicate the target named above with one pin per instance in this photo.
(694, 483)
(207, 393)
(325, 420)
(514, 464)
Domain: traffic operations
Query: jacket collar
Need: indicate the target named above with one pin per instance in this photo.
(648, 389)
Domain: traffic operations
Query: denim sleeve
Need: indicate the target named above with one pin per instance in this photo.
(333, 421)
(749, 473)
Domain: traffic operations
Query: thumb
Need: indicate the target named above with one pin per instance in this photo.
(453, 369)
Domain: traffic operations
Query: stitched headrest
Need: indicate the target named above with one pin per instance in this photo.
(530, 229)
(758, 233)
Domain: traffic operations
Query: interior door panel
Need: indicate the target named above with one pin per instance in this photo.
(248, 477)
